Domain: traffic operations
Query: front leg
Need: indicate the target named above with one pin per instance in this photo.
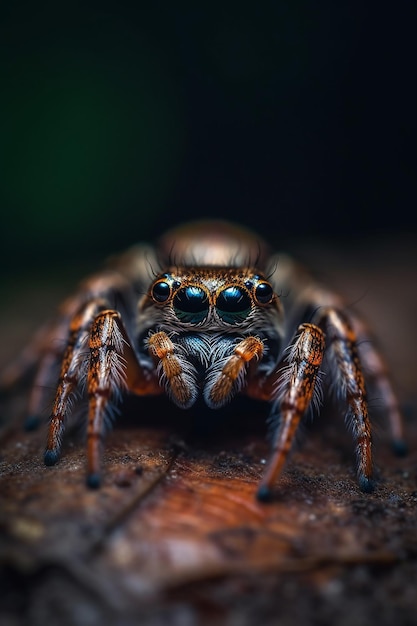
(98, 351)
(113, 368)
(72, 375)
(295, 385)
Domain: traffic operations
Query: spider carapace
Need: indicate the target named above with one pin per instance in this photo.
(209, 312)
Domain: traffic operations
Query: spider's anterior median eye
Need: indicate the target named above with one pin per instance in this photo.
(161, 291)
(191, 304)
(264, 293)
(233, 304)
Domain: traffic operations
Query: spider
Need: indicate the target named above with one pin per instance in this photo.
(210, 312)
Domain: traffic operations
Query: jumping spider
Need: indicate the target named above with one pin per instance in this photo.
(204, 314)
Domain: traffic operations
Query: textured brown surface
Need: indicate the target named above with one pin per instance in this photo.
(175, 534)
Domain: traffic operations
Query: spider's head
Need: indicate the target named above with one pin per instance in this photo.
(212, 298)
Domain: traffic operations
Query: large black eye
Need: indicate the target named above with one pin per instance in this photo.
(233, 304)
(191, 304)
(264, 293)
(161, 291)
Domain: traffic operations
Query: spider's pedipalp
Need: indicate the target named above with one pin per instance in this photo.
(228, 375)
(177, 375)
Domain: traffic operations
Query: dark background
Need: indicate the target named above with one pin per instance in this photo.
(297, 119)
(119, 121)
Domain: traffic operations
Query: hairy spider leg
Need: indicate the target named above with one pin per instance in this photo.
(105, 378)
(113, 367)
(47, 346)
(72, 372)
(99, 350)
(45, 352)
(78, 311)
(26, 361)
(350, 385)
(245, 351)
(51, 358)
(289, 276)
(41, 388)
(295, 385)
(43, 355)
(371, 360)
(376, 373)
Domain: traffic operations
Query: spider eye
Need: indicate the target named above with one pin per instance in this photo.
(161, 291)
(233, 304)
(264, 293)
(191, 304)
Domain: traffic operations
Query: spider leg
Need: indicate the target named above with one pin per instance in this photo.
(19, 368)
(50, 356)
(40, 360)
(44, 352)
(376, 373)
(295, 386)
(72, 371)
(42, 357)
(289, 277)
(350, 384)
(105, 378)
(113, 367)
(98, 350)
(39, 391)
(40, 350)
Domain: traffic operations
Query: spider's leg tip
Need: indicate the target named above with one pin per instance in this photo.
(264, 494)
(32, 422)
(366, 485)
(50, 457)
(93, 481)
(399, 447)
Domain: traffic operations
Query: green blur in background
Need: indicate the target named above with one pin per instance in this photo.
(119, 120)
(91, 132)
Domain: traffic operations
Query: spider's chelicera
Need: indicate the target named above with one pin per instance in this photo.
(210, 324)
